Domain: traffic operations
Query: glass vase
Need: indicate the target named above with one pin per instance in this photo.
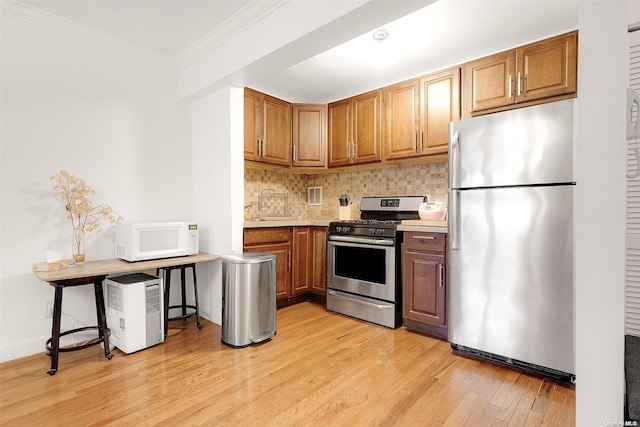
(78, 245)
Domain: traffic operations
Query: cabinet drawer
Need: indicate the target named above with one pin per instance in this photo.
(435, 242)
(257, 236)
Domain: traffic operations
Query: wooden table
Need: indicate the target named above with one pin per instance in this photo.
(94, 272)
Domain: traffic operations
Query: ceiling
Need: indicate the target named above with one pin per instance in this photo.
(442, 34)
(168, 26)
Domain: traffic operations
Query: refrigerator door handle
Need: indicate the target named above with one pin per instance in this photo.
(455, 161)
(454, 220)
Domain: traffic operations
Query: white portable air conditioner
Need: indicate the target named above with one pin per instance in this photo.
(135, 310)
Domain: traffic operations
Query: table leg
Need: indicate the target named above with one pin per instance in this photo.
(167, 290)
(184, 292)
(103, 330)
(195, 292)
(55, 330)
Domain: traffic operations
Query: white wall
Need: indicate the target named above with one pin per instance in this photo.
(600, 240)
(218, 176)
(109, 118)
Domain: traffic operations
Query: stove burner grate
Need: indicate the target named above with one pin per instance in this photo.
(370, 221)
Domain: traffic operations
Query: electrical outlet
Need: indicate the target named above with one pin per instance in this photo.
(48, 309)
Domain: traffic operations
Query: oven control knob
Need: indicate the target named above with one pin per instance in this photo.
(375, 231)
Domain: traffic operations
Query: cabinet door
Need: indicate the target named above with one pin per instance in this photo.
(319, 260)
(252, 124)
(402, 120)
(278, 242)
(366, 127)
(424, 297)
(339, 116)
(309, 135)
(547, 68)
(489, 81)
(283, 270)
(439, 105)
(301, 260)
(276, 133)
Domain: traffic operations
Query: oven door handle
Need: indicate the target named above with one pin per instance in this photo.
(364, 240)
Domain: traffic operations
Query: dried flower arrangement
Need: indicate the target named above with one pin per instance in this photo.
(83, 215)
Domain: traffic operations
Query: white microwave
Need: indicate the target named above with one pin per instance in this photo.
(139, 241)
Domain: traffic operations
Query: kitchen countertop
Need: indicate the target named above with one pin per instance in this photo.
(406, 225)
(423, 225)
(288, 223)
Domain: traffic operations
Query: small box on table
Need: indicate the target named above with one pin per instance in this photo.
(53, 266)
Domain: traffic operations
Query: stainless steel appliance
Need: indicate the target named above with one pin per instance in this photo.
(363, 260)
(510, 253)
(248, 298)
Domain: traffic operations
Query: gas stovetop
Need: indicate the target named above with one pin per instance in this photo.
(377, 222)
(365, 227)
(380, 216)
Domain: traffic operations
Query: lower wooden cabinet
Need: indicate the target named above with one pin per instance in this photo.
(424, 306)
(309, 260)
(300, 258)
(319, 260)
(276, 241)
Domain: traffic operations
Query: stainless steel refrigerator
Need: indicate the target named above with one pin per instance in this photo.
(510, 252)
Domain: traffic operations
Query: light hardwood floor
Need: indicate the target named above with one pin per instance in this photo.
(320, 369)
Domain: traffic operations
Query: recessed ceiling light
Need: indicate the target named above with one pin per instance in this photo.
(380, 35)
(381, 55)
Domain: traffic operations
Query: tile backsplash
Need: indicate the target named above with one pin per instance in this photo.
(270, 188)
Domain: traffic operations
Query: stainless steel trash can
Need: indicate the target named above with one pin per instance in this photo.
(248, 298)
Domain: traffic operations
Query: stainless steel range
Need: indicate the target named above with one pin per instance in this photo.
(363, 260)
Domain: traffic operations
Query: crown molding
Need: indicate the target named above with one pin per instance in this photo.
(249, 15)
(49, 21)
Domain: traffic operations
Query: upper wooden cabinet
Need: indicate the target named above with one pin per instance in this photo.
(406, 120)
(309, 135)
(267, 128)
(354, 130)
(417, 114)
(542, 70)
